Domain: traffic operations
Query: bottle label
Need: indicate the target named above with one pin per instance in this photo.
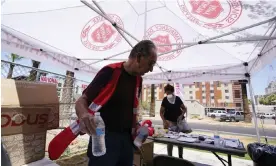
(100, 131)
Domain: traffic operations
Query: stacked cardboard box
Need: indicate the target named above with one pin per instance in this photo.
(29, 109)
(146, 158)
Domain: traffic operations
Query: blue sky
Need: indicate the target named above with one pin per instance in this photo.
(259, 80)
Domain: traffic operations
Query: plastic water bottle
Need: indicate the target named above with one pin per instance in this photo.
(143, 133)
(216, 139)
(98, 139)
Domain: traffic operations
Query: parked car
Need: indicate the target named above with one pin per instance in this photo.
(260, 114)
(217, 113)
(209, 112)
(233, 116)
(267, 116)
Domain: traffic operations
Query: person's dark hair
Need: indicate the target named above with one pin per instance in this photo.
(169, 87)
(143, 47)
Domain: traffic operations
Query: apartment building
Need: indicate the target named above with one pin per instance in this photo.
(158, 90)
(271, 88)
(209, 94)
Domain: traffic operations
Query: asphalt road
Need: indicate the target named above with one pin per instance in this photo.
(230, 129)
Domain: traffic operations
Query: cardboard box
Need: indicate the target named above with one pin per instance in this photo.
(147, 154)
(18, 120)
(31, 94)
(28, 110)
(25, 148)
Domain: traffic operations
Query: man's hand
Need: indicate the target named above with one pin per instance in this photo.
(180, 118)
(87, 124)
(166, 124)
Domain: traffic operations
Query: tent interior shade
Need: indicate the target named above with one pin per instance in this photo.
(72, 35)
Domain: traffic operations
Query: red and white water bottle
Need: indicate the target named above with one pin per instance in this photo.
(143, 133)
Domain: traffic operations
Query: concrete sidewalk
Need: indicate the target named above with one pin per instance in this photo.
(200, 158)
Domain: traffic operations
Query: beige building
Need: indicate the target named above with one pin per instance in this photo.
(209, 94)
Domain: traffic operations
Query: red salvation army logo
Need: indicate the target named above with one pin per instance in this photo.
(164, 34)
(211, 13)
(99, 35)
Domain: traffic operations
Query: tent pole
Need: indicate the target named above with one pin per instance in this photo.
(112, 56)
(253, 109)
(113, 23)
(258, 58)
(108, 58)
(238, 30)
(225, 41)
(162, 71)
(106, 17)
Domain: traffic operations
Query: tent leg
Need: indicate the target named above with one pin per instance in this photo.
(254, 109)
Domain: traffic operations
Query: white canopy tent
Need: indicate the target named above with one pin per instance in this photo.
(198, 40)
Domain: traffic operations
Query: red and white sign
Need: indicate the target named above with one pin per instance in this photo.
(178, 89)
(162, 34)
(99, 35)
(48, 79)
(211, 13)
(84, 86)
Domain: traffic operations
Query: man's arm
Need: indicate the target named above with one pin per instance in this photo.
(162, 111)
(183, 108)
(91, 92)
(139, 96)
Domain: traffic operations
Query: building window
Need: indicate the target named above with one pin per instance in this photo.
(226, 97)
(212, 91)
(203, 86)
(190, 86)
(203, 91)
(218, 84)
(237, 94)
(191, 97)
(191, 92)
(203, 97)
(225, 84)
(238, 104)
(212, 97)
(212, 85)
(197, 84)
(226, 91)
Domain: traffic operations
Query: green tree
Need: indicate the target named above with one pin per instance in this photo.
(268, 100)
(33, 72)
(13, 58)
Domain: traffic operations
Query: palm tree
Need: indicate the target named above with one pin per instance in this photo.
(152, 101)
(247, 115)
(33, 72)
(13, 58)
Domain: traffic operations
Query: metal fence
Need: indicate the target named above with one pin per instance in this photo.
(69, 90)
(68, 87)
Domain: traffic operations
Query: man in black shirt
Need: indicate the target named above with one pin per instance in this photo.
(172, 109)
(117, 113)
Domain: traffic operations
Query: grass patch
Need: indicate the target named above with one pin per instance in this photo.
(79, 159)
